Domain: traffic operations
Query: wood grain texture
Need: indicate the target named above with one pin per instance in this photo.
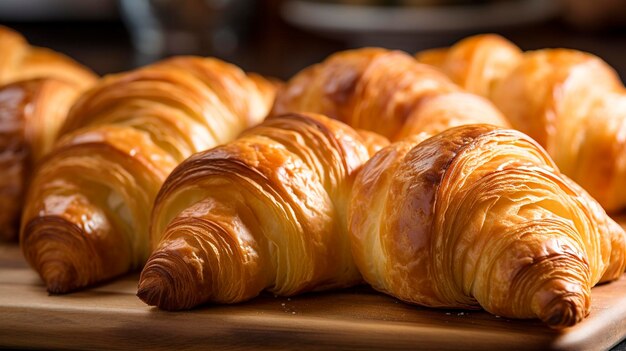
(111, 317)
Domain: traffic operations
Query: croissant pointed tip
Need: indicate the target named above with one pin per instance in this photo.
(148, 292)
(153, 292)
(564, 311)
(58, 277)
(64, 256)
(167, 283)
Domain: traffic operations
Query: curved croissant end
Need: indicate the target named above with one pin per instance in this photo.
(64, 253)
(87, 214)
(89, 204)
(202, 258)
(266, 211)
(479, 216)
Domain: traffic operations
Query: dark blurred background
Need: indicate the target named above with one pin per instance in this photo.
(279, 37)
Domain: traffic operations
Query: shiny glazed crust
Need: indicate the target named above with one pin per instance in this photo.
(266, 211)
(479, 216)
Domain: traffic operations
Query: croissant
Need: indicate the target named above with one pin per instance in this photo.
(479, 216)
(87, 212)
(266, 211)
(37, 88)
(571, 102)
(385, 92)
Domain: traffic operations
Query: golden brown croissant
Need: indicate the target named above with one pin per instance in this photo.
(87, 213)
(266, 211)
(479, 216)
(571, 102)
(37, 88)
(386, 92)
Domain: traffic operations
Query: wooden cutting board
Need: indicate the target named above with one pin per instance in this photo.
(111, 317)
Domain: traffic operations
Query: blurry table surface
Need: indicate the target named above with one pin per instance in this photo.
(279, 50)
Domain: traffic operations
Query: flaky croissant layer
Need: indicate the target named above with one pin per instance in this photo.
(88, 210)
(266, 211)
(478, 216)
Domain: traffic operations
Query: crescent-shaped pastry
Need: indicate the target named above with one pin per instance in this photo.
(87, 213)
(479, 216)
(267, 211)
